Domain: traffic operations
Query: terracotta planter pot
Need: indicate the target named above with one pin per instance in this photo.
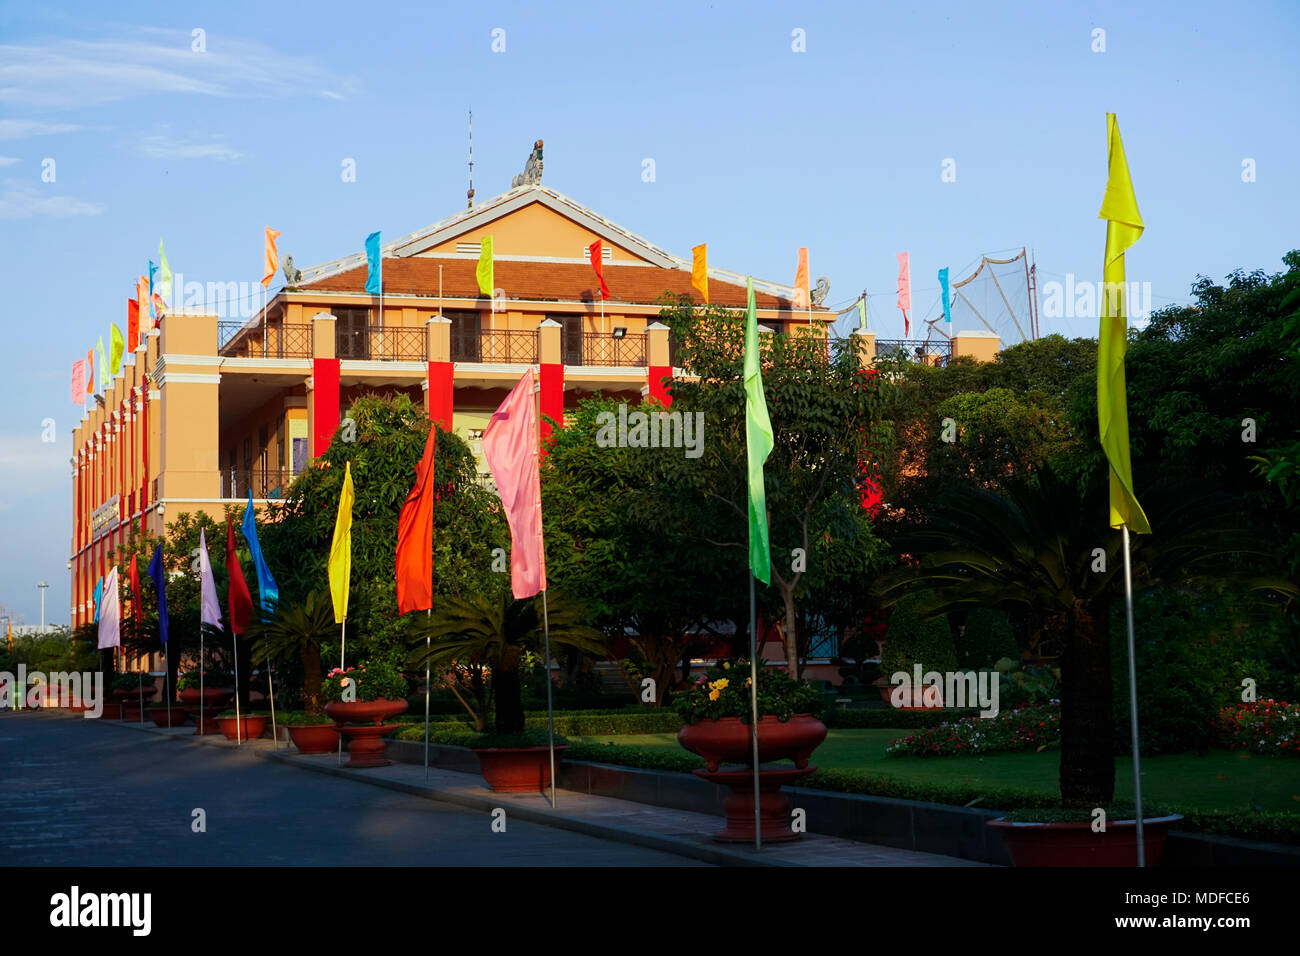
(159, 715)
(365, 711)
(212, 697)
(1074, 844)
(250, 727)
(362, 723)
(727, 740)
(314, 738)
(135, 693)
(517, 769)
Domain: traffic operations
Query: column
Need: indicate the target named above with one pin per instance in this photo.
(864, 346)
(189, 409)
(551, 375)
(981, 346)
(659, 368)
(440, 389)
(323, 389)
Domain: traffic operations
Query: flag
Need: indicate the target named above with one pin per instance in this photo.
(340, 566)
(133, 578)
(268, 592)
(153, 312)
(510, 445)
(238, 600)
(374, 266)
(116, 345)
(210, 610)
(271, 255)
(802, 295)
(132, 324)
(943, 291)
(905, 292)
(142, 299)
(596, 253)
(862, 312)
(486, 271)
(102, 378)
(110, 621)
(79, 382)
(90, 371)
(98, 597)
(758, 445)
(164, 291)
(415, 536)
(700, 270)
(155, 571)
(1123, 228)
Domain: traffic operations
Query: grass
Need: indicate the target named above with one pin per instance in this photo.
(1220, 780)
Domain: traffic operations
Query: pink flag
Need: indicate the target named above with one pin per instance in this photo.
(110, 614)
(79, 382)
(510, 445)
(802, 299)
(905, 292)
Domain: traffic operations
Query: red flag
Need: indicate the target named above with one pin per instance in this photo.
(132, 324)
(415, 536)
(597, 263)
(510, 445)
(133, 576)
(237, 596)
(142, 298)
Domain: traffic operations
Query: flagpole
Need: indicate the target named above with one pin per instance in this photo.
(139, 695)
(427, 613)
(200, 678)
(270, 687)
(1132, 702)
(264, 320)
(753, 703)
(234, 641)
(167, 682)
(343, 645)
(546, 614)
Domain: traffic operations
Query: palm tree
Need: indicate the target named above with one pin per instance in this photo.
(1042, 546)
(497, 631)
(299, 629)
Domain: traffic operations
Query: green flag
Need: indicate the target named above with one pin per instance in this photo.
(758, 442)
(164, 286)
(101, 380)
(116, 346)
(862, 313)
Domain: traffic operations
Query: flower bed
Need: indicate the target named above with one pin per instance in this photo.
(1265, 727)
(723, 691)
(1032, 727)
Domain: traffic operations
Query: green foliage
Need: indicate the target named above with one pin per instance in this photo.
(724, 691)
(986, 640)
(457, 735)
(864, 718)
(1115, 813)
(297, 632)
(374, 680)
(1026, 728)
(912, 637)
(59, 650)
(647, 758)
(212, 678)
(1265, 726)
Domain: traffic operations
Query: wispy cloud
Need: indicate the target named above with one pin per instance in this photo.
(24, 202)
(9, 161)
(25, 129)
(72, 73)
(167, 147)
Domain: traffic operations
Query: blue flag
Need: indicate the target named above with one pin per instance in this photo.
(374, 274)
(98, 597)
(943, 286)
(153, 271)
(155, 571)
(267, 591)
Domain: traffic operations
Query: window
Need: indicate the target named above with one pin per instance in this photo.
(571, 339)
(466, 336)
(352, 333)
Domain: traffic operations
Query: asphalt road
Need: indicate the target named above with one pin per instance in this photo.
(74, 794)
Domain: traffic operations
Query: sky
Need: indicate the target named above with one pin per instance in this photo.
(770, 126)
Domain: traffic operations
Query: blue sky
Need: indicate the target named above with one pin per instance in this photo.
(758, 150)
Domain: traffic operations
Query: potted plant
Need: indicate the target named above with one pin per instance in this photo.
(242, 726)
(360, 699)
(130, 694)
(204, 694)
(505, 636)
(298, 629)
(1075, 836)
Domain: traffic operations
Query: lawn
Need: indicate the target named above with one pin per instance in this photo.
(1220, 780)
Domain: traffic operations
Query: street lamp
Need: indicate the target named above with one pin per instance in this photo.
(42, 586)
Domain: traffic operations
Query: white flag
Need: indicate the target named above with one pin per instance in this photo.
(211, 610)
(110, 615)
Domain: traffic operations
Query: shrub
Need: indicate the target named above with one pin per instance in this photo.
(911, 639)
(1026, 728)
(1018, 686)
(890, 717)
(374, 679)
(987, 639)
(212, 677)
(723, 691)
(1265, 727)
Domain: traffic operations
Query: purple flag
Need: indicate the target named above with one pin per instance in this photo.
(211, 612)
(110, 614)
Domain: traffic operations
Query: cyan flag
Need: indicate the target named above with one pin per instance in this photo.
(155, 571)
(267, 591)
(943, 286)
(98, 597)
(374, 277)
(153, 271)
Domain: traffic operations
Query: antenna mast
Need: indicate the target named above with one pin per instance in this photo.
(469, 196)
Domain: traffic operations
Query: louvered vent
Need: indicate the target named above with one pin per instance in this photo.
(606, 253)
(472, 248)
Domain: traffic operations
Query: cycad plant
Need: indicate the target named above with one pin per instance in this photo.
(496, 631)
(298, 629)
(1042, 545)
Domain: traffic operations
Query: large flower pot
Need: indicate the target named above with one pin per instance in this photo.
(362, 723)
(314, 738)
(1075, 844)
(213, 700)
(916, 701)
(159, 715)
(516, 769)
(728, 740)
(246, 727)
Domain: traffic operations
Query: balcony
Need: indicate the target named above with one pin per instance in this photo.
(495, 346)
(280, 342)
(602, 349)
(936, 353)
(265, 482)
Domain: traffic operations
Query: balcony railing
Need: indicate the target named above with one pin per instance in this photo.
(937, 353)
(601, 349)
(398, 344)
(502, 346)
(281, 341)
(265, 482)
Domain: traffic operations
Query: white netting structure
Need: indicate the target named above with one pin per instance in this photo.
(997, 296)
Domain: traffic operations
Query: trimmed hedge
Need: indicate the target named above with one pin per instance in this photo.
(647, 758)
(581, 723)
(987, 639)
(891, 718)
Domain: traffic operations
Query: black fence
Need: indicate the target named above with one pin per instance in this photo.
(264, 482)
(937, 353)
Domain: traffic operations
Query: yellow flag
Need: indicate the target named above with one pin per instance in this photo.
(486, 276)
(700, 270)
(1123, 228)
(341, 549)
(116, 345)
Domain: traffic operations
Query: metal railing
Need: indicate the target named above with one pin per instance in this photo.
(503, 346)
(281, 341)
(398, 344)
(601, 349)
(265, 482)
(937, 353)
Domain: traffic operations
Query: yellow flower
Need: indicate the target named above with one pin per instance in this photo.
(721, 684)
(345, 681)
(714, 694)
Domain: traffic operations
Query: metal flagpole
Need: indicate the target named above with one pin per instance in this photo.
(139, 695)
(1133, 703)
(200, 679)
(427, 613)
(234, 641)
(343, 645)
(270, 687)
(550, 714)
(264, 322)
(753, 704)
(167, 682)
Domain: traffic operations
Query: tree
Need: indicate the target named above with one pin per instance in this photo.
(299, 630)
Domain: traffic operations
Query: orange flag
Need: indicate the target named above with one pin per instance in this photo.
(142, 297)
(272, 256)
(597, 252)
(802, 293)
(415, 536)
(132, 324)
(700, 270)
(90, 371)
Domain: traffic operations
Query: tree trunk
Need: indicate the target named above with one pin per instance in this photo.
(790, 638)
(245, 674)
(509, 696)
(1087, 722)
(311, 681)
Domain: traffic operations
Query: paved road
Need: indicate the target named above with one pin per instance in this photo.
(76, 794)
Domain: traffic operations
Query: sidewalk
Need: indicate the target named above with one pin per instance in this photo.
(674, 831)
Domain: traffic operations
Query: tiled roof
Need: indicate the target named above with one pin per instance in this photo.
(530, 280)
